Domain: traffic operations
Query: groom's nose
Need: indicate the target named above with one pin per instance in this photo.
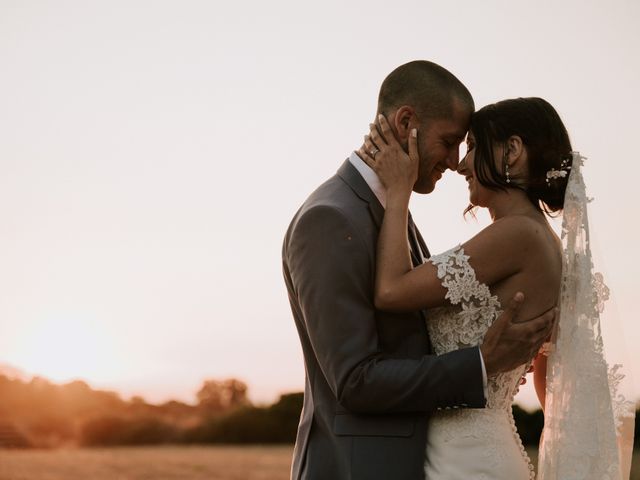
(452, 161)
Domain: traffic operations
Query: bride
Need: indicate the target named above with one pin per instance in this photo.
(518, 164)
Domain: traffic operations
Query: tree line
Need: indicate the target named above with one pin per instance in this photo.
(39, 413)
(48, 415)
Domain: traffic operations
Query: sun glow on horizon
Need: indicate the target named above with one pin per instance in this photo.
(148, 177)
(66, 349)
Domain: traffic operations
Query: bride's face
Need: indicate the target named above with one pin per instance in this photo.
(478, 194)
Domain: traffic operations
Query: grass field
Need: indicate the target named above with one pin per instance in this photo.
(148, 463)
(159, 463)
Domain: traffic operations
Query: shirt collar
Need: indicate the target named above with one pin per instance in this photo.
(370, 177)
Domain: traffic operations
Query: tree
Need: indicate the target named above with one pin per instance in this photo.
(217, 396)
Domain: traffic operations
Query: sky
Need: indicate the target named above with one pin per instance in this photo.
(152, 154)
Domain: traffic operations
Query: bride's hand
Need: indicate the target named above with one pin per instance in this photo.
(397, 170)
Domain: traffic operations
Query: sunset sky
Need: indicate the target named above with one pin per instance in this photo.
(152, 154)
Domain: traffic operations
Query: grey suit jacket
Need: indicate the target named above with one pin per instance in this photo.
(370, 378)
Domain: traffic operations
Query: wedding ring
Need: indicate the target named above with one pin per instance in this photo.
(373, 153)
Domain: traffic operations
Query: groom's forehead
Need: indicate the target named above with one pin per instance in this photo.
(448, 127)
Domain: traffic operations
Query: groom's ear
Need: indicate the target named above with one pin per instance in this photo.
(404, 120)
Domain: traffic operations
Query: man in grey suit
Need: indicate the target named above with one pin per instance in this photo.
(371, 379)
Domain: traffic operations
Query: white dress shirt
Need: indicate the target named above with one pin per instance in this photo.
(370, 177)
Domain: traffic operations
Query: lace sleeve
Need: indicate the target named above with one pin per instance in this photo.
(459, 278)
(475, 308)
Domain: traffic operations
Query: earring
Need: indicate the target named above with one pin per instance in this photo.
(506, 166)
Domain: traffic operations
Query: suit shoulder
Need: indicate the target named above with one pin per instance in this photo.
(333, 205)
(320, 217)
(334, 195)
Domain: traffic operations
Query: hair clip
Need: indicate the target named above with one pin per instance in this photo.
(554, 174)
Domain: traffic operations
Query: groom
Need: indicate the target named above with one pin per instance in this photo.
(371, 378)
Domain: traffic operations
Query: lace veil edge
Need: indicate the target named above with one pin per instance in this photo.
(589, 419)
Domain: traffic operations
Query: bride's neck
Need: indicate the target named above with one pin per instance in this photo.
(511, 202)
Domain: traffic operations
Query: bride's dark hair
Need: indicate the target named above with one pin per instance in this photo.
(543, 135)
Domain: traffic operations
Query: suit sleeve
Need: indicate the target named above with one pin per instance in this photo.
(332, 275)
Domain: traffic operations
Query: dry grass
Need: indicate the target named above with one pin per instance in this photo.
(152, 463)
(161, 463)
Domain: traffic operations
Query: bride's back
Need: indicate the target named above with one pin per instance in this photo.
(540, 275)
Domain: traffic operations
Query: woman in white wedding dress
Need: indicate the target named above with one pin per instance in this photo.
(517, 166)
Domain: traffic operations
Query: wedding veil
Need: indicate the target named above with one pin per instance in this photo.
(589, 415)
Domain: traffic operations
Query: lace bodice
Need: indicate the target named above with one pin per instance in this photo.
(463, 324)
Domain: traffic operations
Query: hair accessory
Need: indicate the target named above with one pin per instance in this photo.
(561, 173)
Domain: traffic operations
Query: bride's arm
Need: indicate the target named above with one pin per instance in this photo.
(393, 254)
(397, 282)
(398, 171)
(495, 253)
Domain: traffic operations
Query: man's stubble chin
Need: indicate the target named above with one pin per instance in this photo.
(424, 186)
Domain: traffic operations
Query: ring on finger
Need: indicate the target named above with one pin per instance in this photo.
(373, 152)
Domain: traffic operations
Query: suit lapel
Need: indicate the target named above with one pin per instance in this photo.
(422, 244)
(350, 175)
(416, 250)
(425, 254)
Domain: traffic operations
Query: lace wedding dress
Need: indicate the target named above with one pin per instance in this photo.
(588, 433)
(472, 443)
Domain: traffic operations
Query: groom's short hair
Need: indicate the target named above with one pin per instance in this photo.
(425, 86)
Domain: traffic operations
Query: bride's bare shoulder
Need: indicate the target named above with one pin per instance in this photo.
(521, 225)
(508, 246)
(513, 233)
